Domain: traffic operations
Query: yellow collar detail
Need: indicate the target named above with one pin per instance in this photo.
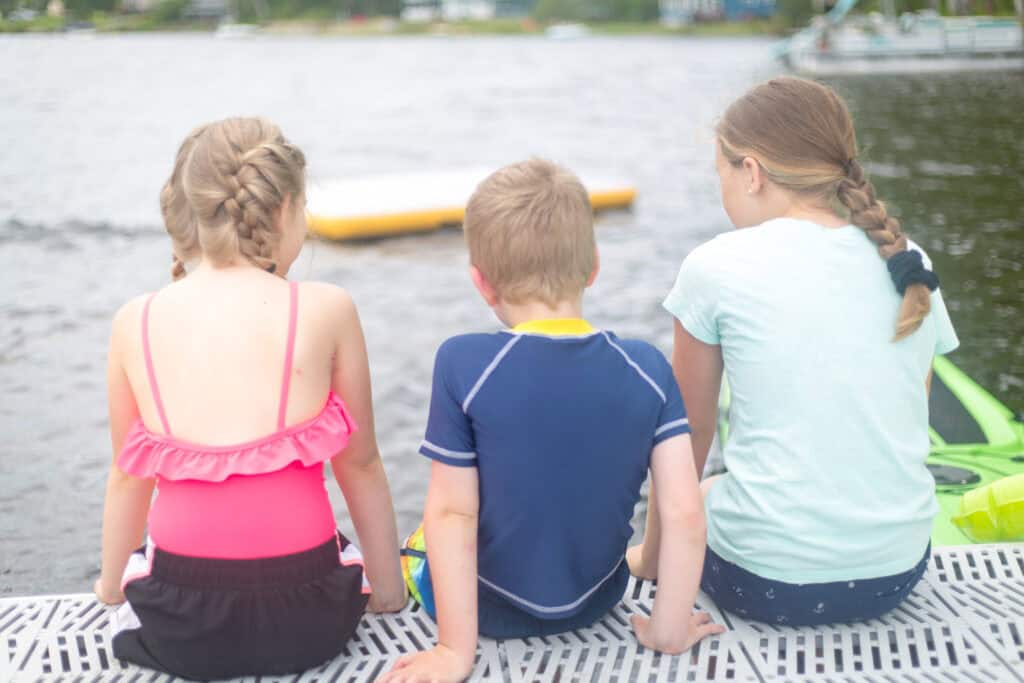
(556, 327)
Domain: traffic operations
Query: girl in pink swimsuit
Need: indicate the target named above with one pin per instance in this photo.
(226, 394)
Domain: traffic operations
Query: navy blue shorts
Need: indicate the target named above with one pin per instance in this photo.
(750, 596)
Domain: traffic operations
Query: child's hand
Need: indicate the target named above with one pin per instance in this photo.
(439, 665)
(648, 635)
(106, 595)
(635, 560)
(381, 604)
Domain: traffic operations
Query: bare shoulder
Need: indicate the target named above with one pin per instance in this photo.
(125, 330)
(328, 304)
(129, 315)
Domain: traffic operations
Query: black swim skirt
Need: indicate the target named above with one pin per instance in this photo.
(205, 619)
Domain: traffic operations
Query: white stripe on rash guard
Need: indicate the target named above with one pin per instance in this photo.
(549, 610)
(671, 425)
(632, 364)
(487, 373)
(458, 455)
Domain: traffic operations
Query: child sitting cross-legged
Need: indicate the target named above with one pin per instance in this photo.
(541, 436)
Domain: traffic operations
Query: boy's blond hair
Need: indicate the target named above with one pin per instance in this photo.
(530, 231)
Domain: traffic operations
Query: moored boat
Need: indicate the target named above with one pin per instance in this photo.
(841, 43)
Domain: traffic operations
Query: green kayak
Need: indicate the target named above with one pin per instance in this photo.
(976, 440)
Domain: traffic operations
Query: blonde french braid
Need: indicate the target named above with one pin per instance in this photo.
(237, 179)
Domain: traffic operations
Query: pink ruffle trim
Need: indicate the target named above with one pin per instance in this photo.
(149, 455)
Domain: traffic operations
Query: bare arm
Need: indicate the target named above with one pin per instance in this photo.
(359, 470)
(127, 498)
(643, 559)
(450, 531)
(673, 627)
(698, 370)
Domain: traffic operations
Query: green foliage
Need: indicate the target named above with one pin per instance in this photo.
(318, 9)
(83, 9)
(368, 8)
(754, 27)
(40, 24)
(170, 11)
(795, 13)
(8, 6)
(561, 10)
(630, 10)
(596, 10)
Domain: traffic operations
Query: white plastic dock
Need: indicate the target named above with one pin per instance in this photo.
(964, 622)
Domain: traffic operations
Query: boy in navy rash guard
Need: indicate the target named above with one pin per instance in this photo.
(541, 436)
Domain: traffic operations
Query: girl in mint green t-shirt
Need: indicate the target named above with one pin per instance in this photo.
(825, 318)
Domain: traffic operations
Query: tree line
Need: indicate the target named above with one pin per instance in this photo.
(789, 12)
(542, 10)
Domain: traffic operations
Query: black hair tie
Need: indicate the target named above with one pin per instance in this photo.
(907, 268)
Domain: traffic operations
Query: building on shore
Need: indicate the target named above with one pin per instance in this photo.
(138, 5)
(207, 9)
(678, 12)
(463, 10)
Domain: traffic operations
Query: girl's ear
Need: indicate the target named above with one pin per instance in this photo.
(597, 267)
(486, 289)
(754, 175)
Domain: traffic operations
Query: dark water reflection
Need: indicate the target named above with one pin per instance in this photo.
(947, 152)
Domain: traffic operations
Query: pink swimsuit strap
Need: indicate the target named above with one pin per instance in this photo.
(289, 355)
(150, 371)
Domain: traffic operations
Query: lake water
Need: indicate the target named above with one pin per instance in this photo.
(89, 127)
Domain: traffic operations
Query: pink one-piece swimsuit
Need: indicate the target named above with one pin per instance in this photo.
(263, 498)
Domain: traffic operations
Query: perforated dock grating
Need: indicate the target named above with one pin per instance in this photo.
(964, 622)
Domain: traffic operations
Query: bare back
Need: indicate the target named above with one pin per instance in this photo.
(219, 346)
(233, 375)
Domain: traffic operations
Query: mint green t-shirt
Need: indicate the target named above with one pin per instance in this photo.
(829, 417)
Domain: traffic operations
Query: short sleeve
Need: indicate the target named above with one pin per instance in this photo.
(693, 299)
(945, 336)
(673, 420)
(449, 437)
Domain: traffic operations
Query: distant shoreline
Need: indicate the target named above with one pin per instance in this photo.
(375, 28)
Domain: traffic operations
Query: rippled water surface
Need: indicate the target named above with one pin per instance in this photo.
(88, 129)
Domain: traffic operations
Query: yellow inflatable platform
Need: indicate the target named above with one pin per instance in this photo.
(381, 206)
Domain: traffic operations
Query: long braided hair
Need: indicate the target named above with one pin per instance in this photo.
(179, 218)
(802, 135)
(236, 177)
